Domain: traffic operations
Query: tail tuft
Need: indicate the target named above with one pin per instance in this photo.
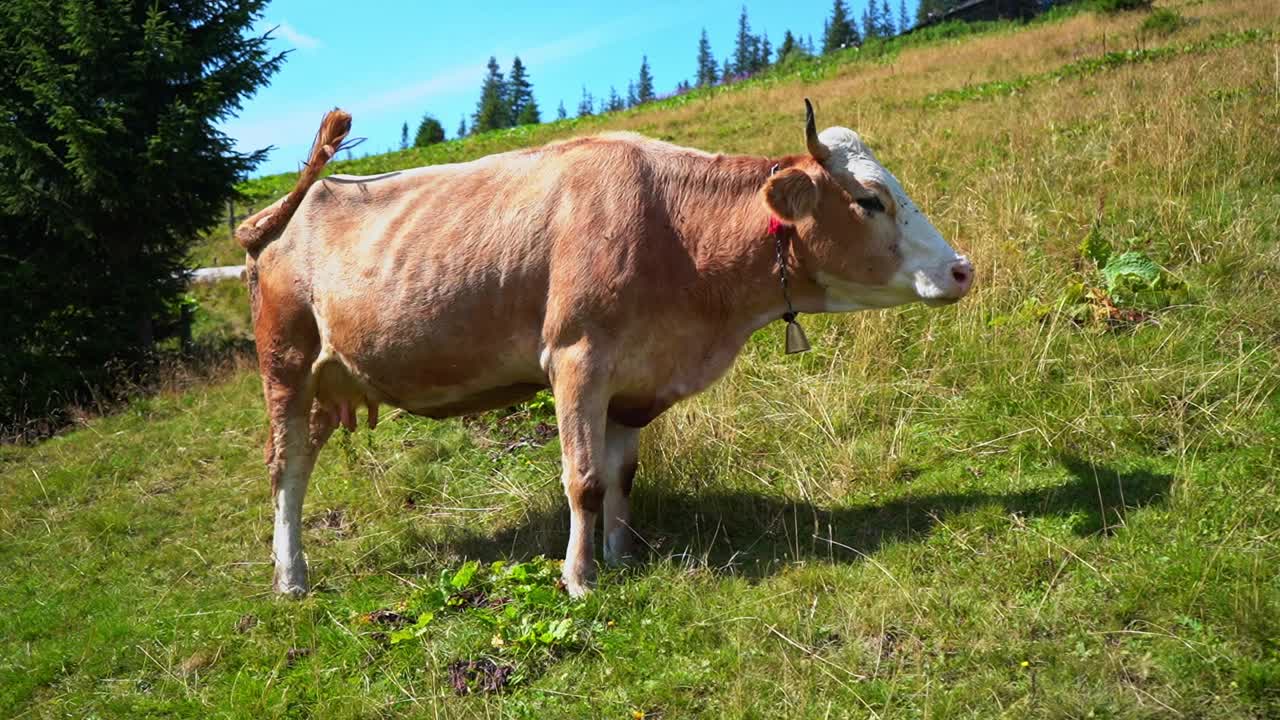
(265, 225)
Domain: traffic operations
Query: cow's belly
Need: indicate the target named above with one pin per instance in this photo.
(439, 371)
(445, 388)
(451, 402)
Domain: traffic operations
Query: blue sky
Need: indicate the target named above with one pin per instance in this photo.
(388, 63)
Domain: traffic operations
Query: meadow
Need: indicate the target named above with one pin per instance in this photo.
(1059, 498)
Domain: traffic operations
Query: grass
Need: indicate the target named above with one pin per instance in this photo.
(1162, 22)
(1006, 508)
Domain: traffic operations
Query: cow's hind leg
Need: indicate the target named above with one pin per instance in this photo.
(622, 446)
(580, 411)
(297, 433)
(288, 343)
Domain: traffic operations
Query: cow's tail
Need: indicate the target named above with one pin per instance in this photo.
(265, 225)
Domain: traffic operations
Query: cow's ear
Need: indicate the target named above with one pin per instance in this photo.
(791, 194)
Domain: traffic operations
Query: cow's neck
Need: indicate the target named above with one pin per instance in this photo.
(737, 255)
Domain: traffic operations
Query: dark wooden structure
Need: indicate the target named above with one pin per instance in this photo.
(976, 10)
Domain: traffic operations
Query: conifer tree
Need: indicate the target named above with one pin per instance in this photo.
(904, 21)
(529, 114)
(884, 19)
(404, 136)
(644, 85)
(788, 48)
(788, 45)
(462, 127)
(840, 31)
(561, 113)
(586, 106)
(707, 74)
(744, 53)
(113, 162)
(430, 132)
(524, 109)
(766, 50)
(869, 27)
(493, 111)
(631, 99)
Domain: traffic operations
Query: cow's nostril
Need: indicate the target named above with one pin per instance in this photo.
(960, 274)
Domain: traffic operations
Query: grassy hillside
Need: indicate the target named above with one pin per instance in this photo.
(1059, 498)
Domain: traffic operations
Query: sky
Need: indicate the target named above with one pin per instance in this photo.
(388, 63)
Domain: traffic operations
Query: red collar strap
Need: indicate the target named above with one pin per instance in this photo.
(776, 226)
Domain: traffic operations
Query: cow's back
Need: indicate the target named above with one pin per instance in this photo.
(433, 285)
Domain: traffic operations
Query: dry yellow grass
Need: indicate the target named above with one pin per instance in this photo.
(1017, 183)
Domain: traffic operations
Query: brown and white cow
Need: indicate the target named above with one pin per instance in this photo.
(622, 272)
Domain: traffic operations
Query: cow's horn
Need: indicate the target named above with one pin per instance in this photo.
(816, 148)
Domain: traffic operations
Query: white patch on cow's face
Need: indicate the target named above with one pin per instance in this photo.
(930, 269)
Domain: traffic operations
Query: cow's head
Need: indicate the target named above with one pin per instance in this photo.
(860, 237)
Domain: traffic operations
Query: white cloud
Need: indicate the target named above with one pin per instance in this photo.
(295, 37)
(451, 79)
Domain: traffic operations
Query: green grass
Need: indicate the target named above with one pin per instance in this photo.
(1031, 504)
(1162, 22)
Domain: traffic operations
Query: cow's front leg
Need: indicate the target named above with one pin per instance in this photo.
(581, 406)
(622, 446)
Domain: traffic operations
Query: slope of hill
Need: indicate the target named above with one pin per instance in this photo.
(1059, 498)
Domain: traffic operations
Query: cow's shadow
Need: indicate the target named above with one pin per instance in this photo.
(754, 534)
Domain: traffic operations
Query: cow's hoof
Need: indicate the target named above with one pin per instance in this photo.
(291, 592)
(290, 584)
(577, 586)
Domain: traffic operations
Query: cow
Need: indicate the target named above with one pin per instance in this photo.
(621, 272)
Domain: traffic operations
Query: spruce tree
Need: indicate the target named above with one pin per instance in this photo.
(766, 50)
(404, 136)
(493, 110)
(586, 106)
(113, 162)
(529, 114)
(615, 102)
(561, 113)
(744, 52)
(644, 85)
(840, 31)
(462, 127)
(523, 108)
(884, 19)
(430, 132)
(788, 46)
(631, 100)
(706, 62)
(869, 28)
(904, 21)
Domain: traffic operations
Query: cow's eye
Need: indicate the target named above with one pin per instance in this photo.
(871, 204)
